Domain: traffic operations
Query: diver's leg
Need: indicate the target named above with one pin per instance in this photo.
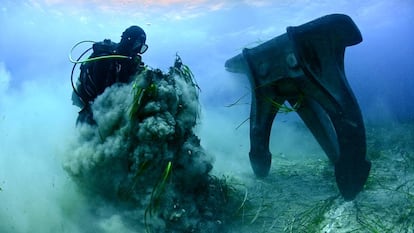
(85, 116)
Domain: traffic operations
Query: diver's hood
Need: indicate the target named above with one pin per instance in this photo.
(133, 41)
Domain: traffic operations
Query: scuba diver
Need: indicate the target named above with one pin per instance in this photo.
(108, 64)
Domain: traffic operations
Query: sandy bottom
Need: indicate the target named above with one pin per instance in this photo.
(300, 195)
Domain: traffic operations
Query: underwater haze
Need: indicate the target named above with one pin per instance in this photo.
(38, 131)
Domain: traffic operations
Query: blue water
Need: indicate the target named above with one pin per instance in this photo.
(37, 117)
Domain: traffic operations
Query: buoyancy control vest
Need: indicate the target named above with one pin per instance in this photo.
(96, 75)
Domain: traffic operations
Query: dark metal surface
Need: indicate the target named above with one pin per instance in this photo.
(305, 67)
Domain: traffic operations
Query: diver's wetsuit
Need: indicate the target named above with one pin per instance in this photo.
(97, 75)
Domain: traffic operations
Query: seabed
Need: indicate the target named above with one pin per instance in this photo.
(300, 195)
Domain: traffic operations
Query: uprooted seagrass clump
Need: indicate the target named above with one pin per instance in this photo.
(143, 155)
